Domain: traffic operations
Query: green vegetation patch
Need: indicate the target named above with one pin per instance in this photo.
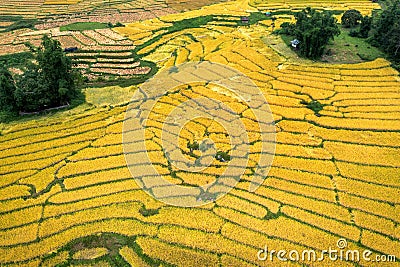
(18, 22)
(314, 105)
(112, 242)
(84, 26)
(17, 60)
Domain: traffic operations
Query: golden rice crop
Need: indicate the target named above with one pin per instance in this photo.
(374, 223)
(302, 151)
(257, 239)
(294, 126)
(300, 233)
(139, 196)
(369, 72)
(372, 155)
(363, 89)
(379, 208)
(317, 206)
(371, 191)
(357, 136)
(271, 205)
(60, 258)
(54, 225)
(305, 190)
(348, 231)
(19, 235)
(199, 179)
(324, 85)
(297, 139)
(207, 241)
(242, 205)
(96, 152)
(380, 243)
(357, 124)
(35, 249)
(373, 174)
(20, 217)
(93, 191)
(368, 102)
(192, 218)
(374, 115)
(302, 177)
(90, 253)
(227, 260)
(319, 200)
(79, 167)
(176, 255)
(7, 179)
(33, 164)
(289, 112)
(131, 257)
(97, 178)
(369, 95)
(49, 144)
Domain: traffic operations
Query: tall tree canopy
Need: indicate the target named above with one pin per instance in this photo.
(314, 30)
(7, 89)
(386, 31)
(48, 83)
(351, 18)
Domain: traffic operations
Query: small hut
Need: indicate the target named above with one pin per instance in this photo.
(295, 43)
(245, 20)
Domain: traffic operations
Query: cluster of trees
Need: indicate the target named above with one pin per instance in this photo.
(314, 30)
(352, 18)
(385, 31)
(382, 29)
(47, 82)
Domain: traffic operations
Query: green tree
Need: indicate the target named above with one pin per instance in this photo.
(314, 30)
(56, 71)
(7, 89)
(50, 82)
(30, 94)
(365, 27)
(386, 31)
(351, 18)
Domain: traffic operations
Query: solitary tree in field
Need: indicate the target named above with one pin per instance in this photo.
(351, 18)
(50, 82)
(314, 30)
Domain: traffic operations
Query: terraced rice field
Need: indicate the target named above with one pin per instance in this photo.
(55, 13)
(101, 52)
(295, 5)
(67, 196)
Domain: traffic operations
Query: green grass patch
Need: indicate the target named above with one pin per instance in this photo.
(347, 49)
(110, 95)
(84, 26)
